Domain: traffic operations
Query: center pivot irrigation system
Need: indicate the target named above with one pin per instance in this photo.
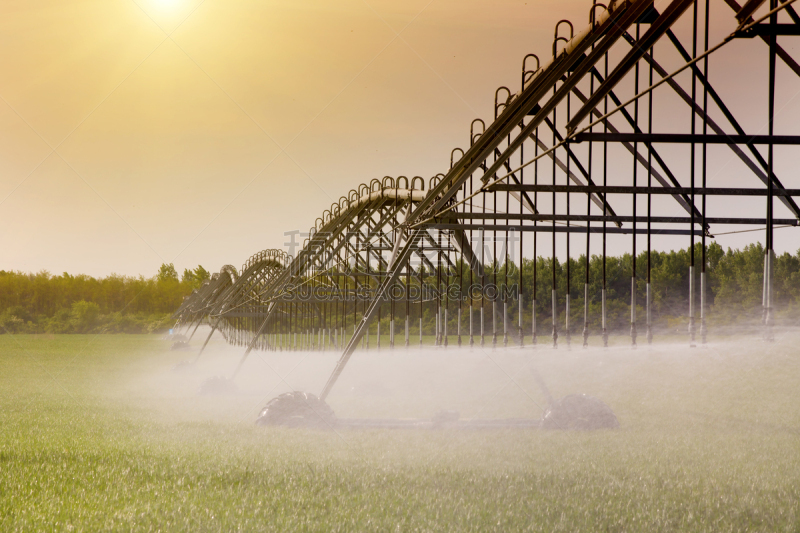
(612, 133)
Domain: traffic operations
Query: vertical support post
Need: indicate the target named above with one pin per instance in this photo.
(495, 266)
(605, 328)
(555, 317)
(483, 277)
(458, 327)
(566, 321)
(408, 293)
(586, 310)
(605, 209)
(635, 171)
(703, 331)
(447, 290)
(440, 324)
(588, 233)
(553, 296)
(471, 335)
(519, 305)
(521, 235)
(649, 315)
(534, 336)
(482, 324)
(770, 254)
(633, 311)
(768, 295)
(461, 297)
(692, 169)
(494, 322)
(471, 271)
(437, 338)
(438, 293)
(765, 282)
(436, 328)
(494, 319)
(505, 323)
(649, 301)
(569, 263)
(445, 328)
(691, 302)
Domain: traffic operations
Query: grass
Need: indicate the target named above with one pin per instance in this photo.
(98, 434)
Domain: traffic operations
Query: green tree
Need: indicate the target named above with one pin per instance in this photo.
(188, 276)
(84, 316)
(196, 277)
(201, 274)
(167, 273)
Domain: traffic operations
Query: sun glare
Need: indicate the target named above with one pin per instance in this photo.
(167, 4)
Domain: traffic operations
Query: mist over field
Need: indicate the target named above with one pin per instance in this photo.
(101, 432)
(190, 187)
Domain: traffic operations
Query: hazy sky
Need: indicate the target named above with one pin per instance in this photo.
(197, 132)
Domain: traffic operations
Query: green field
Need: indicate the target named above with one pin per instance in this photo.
(97, 433)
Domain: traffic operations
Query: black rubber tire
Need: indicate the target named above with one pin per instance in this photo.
(579, 412)
(297, 409)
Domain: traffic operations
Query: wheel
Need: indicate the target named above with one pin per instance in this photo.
(579, 411)
(297, 409)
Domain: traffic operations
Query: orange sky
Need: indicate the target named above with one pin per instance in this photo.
(139, 132)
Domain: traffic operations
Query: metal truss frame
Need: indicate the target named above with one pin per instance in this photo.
(553, 160)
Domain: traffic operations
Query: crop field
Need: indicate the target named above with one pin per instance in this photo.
(99, 433)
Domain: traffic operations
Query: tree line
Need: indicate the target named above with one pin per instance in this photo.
(46, 303)
(42, 302)
(734, 285)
